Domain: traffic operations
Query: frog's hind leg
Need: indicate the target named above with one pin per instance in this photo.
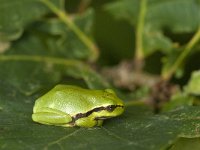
(51, 117)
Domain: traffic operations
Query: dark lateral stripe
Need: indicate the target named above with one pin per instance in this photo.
(109, 108)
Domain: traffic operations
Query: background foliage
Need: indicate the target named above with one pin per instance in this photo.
(146, 50)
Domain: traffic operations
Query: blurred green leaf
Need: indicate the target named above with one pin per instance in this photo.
(37, 70)
(188, 97)
(125, 9)
(17, 14)
(155, 40)
(50, 47)
(193, 87)
(56, 27)
(52, 37)
(178, 16)
(178, 100)
(169, 60)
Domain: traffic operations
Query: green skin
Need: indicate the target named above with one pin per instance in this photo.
(68, 106)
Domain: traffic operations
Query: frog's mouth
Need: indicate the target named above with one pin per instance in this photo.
(102, 117)
(109, 108)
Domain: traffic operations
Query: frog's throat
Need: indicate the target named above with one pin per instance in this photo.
(109, 108)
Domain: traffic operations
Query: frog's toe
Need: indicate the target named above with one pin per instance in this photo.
(99, 122)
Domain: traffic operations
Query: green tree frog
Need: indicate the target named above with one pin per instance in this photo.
(68, 106)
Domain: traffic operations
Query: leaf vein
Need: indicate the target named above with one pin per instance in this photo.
(60, 139)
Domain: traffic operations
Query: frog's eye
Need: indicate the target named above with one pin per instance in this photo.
(110, 108)
(110, 91)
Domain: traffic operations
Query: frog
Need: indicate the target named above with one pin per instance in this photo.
(70, 106)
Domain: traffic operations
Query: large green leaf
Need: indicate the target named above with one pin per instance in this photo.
(136, 129)
(17, 14)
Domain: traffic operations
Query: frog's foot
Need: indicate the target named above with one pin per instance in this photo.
(99, 122)
(51, 117)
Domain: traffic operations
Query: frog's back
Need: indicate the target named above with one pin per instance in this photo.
(66, 98)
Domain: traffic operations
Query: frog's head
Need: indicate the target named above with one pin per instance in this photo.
(111, 105)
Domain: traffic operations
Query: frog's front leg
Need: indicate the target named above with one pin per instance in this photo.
(99, 122)
(51, 117)
(88, 122)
